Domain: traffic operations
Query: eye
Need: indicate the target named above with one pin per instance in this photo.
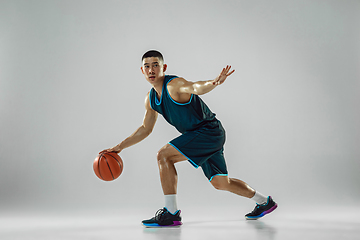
(156, 65)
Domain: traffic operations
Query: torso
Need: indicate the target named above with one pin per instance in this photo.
(174, 93)
(186, 112)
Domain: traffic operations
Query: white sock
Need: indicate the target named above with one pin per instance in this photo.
(259, 198)
(170, 203)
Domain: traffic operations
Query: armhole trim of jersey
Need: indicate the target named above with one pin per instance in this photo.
(173, 99)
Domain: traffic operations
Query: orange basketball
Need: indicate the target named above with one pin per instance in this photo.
(108, 166)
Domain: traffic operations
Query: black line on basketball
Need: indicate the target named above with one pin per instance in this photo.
(109, 168)
(116, 161)
(101, 155)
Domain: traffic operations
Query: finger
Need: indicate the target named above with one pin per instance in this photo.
(223, 71)
(230, 73)
(227, 69)
(106, 150)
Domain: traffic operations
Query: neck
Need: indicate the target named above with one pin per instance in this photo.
(158, 86)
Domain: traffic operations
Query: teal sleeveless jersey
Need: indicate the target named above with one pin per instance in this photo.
(183, 116)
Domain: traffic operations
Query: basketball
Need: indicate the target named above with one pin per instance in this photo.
(108, 166)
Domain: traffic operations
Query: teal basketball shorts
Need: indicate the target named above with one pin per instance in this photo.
(204, 148)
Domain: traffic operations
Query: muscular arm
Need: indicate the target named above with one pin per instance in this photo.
(202, 87)
(142, 132)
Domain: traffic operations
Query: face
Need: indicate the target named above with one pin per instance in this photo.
(153, 69)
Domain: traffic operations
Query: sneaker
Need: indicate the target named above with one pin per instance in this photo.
(262, 210)
(164, 218)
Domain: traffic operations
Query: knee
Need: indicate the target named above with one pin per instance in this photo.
(162, 156)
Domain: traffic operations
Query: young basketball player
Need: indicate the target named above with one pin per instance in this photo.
(201, 140)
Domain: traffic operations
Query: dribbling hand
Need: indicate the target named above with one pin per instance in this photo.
(115, 149)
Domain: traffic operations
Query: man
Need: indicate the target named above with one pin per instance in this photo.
(201, 140)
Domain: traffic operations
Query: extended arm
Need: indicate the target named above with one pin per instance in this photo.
(142, 132)
(202, 87)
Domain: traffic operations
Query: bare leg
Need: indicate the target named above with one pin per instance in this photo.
(167, 157)
(233, 185)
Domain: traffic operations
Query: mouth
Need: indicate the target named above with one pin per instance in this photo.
(151, 77)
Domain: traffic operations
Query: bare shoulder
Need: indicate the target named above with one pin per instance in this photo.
(147, 96)
(178, 83)
(177, 89)
(147, 101)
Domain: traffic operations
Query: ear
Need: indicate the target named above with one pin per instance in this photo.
(142, 70)
(165, 67)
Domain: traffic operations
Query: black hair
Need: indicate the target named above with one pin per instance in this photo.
(153, 53)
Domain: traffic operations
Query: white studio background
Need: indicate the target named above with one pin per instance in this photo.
(71, 86)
